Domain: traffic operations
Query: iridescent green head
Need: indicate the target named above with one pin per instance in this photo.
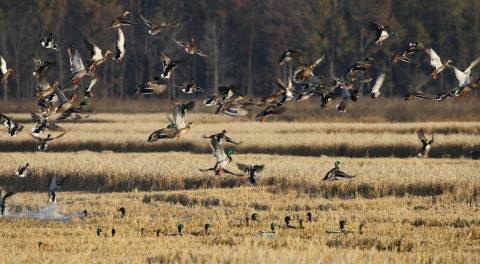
(418, 43)
(230, 152)
(171, 125)
(272, 226)
(180, 227)
(99, 230)
(369, 59)
(337, 163)
(392, 33)
(85, 103)
(207, 226)
(254, 216)
(342, 224)
(455, 88)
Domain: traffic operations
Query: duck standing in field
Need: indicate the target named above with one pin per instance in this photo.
(360, 66)
(436, 63)
(45, 141)
(336, 174)
(4, 72)
(2, 201)
(120, 46)
(190, 87)
(151, 87)
(222, 137)
(48, 42)
(416, 94)
(223, 159)
(381, 33)
(42, 124)
(427, 145)
(252, 171)
(288, 55)
(23, 171)
(53, 187)
(190, 47)
(168, 65)
(122, 21)
(155, 29)
(341, 231)
(13, 127)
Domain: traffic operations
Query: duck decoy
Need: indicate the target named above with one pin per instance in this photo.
(336, 174)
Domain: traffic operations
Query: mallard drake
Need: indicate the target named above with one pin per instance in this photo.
(381, 33)
(87, 92)
(43, 87)
(288, 55)
(64, 102)
(223, 159)
(302, 72)
(271, 110)
(412, 48)
(73, 113)
(426, 145)
(416, 94)
(42, 124)
(96, 57)
(347, 98)
(288, 91)
(270, 99)
(436, 63)
(13, 127)
(120, 46)
(327, 99)
(45, 141)
(360, 66)
(443, 96)
(122, 209)
(234, 108)
(23, 171)
(48, 42)
(151, 87)
(179, 228)
(202, 233)
(467, 88)
(221, 137)
(269, 234)
(252, 171)
(212, 100)
(400, 57)
(228, 91)
(76, 64)
(2, 200)
(336, 174)
(190, 47)
(341, 231)
(99, 231)
(463, 77)
(122, 21)
(155, 29)
(474, 155)
(53, 186)
(190, 87)
(375, 93)
(168, 65)
(4, 72)
(41, 66)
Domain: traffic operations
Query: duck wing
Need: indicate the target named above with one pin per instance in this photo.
(95, 51)
(181, 43)
(422, 138)
(434, 58)
(462, 77)
(469, 69)
(3, 66)
(378, 83)
(217, 150)
(76, 63)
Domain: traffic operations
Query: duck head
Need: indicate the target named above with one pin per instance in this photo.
(99, 230)
(230, 152)
(254, 216)
(272, 226)
(342, 224)
(337, 163)
(369, 59)
(207, 226)
(180, 227)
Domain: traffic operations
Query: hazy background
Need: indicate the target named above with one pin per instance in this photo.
(242, 38)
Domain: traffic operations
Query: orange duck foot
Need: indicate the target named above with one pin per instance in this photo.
(262, 120)
(381, 42)
(178, 137)
(74, 81)
(434, 76)
(352, 73)
(219, 172)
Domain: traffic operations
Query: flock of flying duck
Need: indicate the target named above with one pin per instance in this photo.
(276, 103)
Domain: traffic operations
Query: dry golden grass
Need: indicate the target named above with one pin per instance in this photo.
(110, 165)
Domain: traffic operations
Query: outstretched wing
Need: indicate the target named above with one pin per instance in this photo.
(95, 51)
(181, 43)
(378, 83)
(148, 23)
(217, 150)
(434, 58)
(3, 65)
(76, 63)
(421, 136)
(163, 58)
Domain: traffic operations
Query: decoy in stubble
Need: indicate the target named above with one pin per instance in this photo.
(155, 29)
(437, 65)
(204, 232)
(45, 141)
(48, 42)
(426, 144)
(179, 228)
(288, 55)
(190, 86)
(336, 174)
(122, 209)
(43, 123)
(13, 127)
(252, 172)
(190, 47)
(342, 229)
(96, 57)
(222, 137)
(52, 188)
(151, 87)
(168, 65)
(2, 201)
(122, 21)
(381, 33)
(120, 46)
(268, 234)
(23, 171)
